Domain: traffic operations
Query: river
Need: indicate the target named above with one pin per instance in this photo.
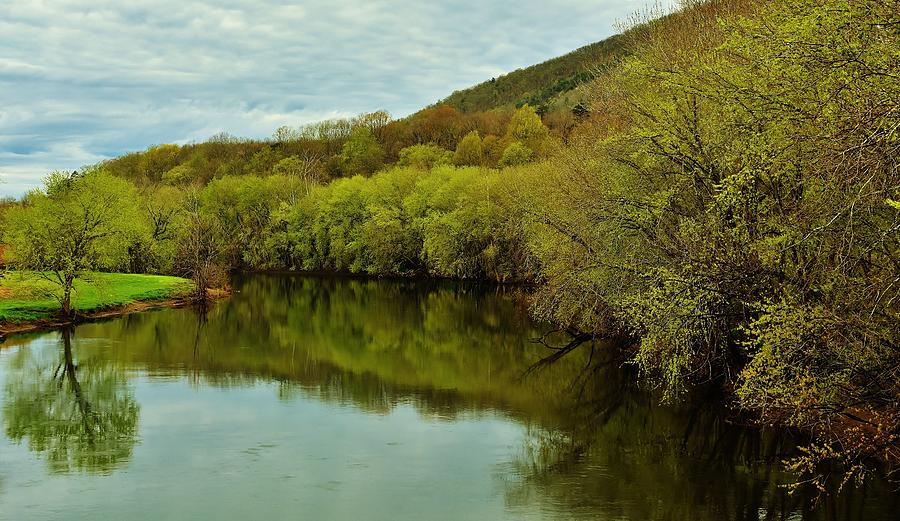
(330, 398)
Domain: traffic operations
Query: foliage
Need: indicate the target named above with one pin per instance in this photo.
(307, 169)
(527, 128)
(542, 84)
(470, 151)
(446, 221)
(361, 154)
(424, 156)
(76, 223)
(178, 175)
(515, 154)
(202, 243)
(734, 221)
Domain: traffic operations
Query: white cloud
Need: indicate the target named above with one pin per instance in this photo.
(81, 80)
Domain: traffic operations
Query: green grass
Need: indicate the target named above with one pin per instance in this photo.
(27, 296)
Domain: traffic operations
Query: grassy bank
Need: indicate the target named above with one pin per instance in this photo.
(25, 296)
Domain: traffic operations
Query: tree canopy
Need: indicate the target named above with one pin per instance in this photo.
(77, 223)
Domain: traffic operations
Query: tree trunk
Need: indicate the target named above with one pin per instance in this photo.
(67, 295)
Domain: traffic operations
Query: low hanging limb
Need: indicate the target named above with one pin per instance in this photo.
(577, 338)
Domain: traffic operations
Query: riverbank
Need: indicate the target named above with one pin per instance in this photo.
(27, 301)
(397, 277)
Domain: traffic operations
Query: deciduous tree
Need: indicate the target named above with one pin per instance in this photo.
(77, 223)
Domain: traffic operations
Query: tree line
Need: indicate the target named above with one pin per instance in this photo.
(339, 148)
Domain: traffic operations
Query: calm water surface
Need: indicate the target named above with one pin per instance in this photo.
(305, 398)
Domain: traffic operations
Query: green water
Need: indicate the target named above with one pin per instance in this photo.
(305, 398)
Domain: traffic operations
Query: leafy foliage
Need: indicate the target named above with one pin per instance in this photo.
(361, 154)
(515, 154)
(736, 223)
(424, 156)
(77, 223)
(470, 151)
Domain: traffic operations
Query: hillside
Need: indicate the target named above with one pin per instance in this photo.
(549, 87)
(543, 84)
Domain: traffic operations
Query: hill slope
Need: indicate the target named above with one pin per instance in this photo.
(542, 84)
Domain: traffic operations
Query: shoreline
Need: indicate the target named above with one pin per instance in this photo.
(8, 329)
(412, 277)
(47, 324)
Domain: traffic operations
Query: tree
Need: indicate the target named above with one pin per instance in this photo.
(156, 161)
(561, 123)
(178, 175)
(737, 225)
(441, 125)
(262, 162)
(75, 224)
(470, 151)
(308, 169)
(199, 249)
(515, 154)
(153, 251)
(361, 154)
(374, 121)
(425, 156)
(526, 126)
(284, 133)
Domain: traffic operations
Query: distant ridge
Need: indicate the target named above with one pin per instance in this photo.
(544, 85)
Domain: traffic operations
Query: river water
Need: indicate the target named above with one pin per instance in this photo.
(324, 398)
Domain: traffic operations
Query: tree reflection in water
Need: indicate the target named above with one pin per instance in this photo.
(78, 413)
(620, 454)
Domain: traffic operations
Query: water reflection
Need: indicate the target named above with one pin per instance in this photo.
(621, 455)
(373, 344)
(288, 356)
(79, 415)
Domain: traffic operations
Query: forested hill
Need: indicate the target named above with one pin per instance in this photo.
(544, 85)
(548, 90)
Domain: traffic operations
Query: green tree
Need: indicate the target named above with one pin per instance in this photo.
(241, 208)
(200, 253)
(361, 154)
(515, 154)
(156, 161)
(470, 151)
(178, 175)
(731, 215)
(424, 156)
(152, 251)
(262, 162)
(75, 224)
(526, 127)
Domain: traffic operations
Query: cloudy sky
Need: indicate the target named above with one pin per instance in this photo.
(83, 80)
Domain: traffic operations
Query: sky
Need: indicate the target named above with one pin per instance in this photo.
(85, 80)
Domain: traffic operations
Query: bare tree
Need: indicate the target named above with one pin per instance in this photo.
(200, 250)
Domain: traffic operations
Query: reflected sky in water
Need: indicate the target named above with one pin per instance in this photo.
(346, 399)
